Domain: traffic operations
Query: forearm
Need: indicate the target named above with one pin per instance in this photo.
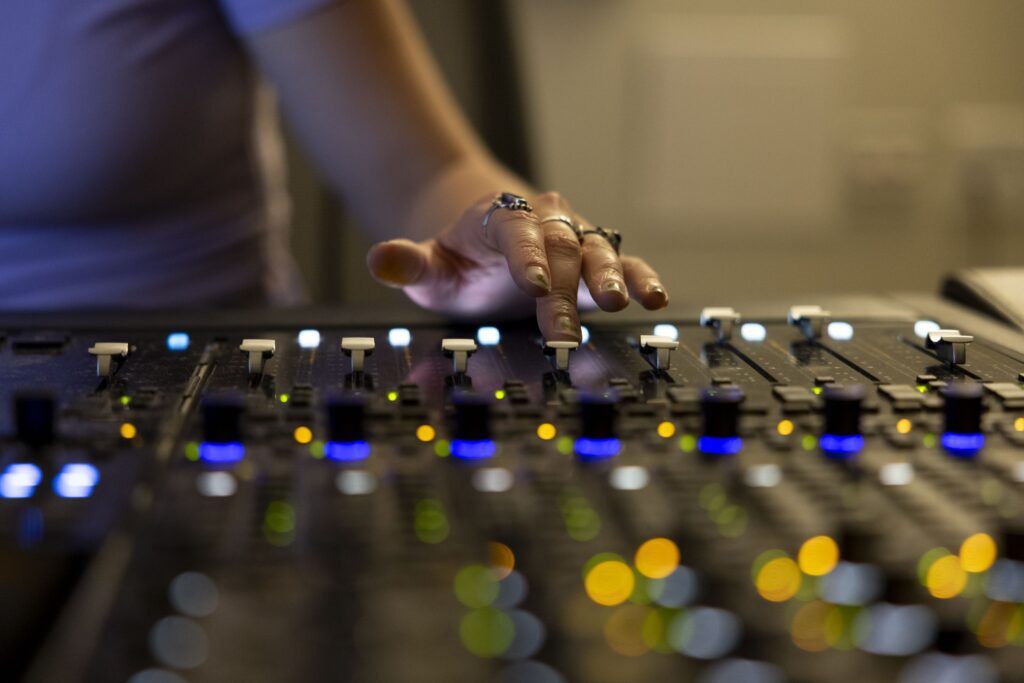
(362, 91)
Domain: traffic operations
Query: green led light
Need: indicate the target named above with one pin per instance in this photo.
(443, 448)
(476, 586)
(928, 440)
(192, 451)
(816, 390)
(809, 442)
(499, 394)
(125, 400)
(283, 398)
(280, 517)
(487, 632)
(316, 449)
(564, 445)
(392, 396)
(922, 388)
(687, 442)
(429, 521)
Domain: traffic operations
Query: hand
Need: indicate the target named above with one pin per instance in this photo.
(471, 269)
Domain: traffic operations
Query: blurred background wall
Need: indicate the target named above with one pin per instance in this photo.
(745, 147)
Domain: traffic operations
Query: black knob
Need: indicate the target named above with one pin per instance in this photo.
(963, 407)
(597, 416)
(346, 418)
(222, 418)
(471, 420)
(1013, 540)
(35, 415)
(842, 409)
(721, 409)
(859, 540)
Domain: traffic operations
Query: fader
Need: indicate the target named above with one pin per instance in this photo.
(810, 493)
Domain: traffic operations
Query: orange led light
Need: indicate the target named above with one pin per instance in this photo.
(303, 435)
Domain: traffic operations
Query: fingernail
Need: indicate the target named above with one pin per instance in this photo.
(658, 291)
(614, 286)
(537, 276)
(564, 323)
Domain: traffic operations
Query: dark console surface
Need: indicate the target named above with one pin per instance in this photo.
(806, 493)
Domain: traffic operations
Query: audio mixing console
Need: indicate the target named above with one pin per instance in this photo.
(760, 494)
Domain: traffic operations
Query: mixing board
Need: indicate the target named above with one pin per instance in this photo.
(759, 494)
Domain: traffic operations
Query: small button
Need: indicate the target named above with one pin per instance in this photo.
(924, 379)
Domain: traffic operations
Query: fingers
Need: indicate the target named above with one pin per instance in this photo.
(399, 263)
(643, 283)
(557, 314)
(602, 271)
(519, 237)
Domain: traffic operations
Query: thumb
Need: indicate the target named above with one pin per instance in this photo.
(398, 263)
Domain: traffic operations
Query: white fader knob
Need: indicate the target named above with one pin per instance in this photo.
(561, 350)
(658, 350)
(105, 353)
(459, 350)
(949, 345)
(720, 319)
(358, 348)
(259, 350)
(810, 319)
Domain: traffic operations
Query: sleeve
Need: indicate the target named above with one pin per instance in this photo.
(246, 17)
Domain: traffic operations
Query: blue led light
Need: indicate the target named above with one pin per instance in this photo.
(962, 445)
(667, 330)
(76, 480)
(841, 445)
(221, 453)
(309, 339)
(584, 334)
(473, 449)
(597, 449)
(753, 332)
(840, 331)
(719, 445)
(399, 336)
(178, 341)
(346, 451)
(19, 480)
(488, 336)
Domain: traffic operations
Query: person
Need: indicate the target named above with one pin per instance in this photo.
(134, 169)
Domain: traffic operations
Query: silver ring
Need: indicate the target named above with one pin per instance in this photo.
(562, 218)
(508, 201)
(611, 236)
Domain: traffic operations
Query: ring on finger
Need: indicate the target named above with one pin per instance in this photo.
(562, 218)
(507, 201)
(613, 237)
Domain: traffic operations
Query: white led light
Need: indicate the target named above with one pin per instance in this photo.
(493, 480)
(356, 482)
(488, 336)
(177, 341)
(584, 334)
(309, 339)
(216, 484)
(76, 480)
(399, 336)
(840, 331)
(923, 327)
(629, 478)
(753, 332)
(762, 476)
(896, 473)
(19, 480)
(666, 330)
